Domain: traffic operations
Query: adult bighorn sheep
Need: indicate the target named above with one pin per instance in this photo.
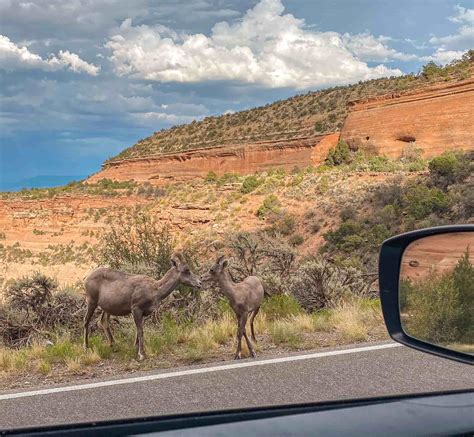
(244, 297)
(119, 294)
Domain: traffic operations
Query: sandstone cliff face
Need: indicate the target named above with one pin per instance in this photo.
(435, 119)
(240, 159)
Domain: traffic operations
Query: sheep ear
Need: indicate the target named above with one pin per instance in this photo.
(175, 259)
(226, 262)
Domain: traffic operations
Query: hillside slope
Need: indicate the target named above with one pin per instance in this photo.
(303, 115)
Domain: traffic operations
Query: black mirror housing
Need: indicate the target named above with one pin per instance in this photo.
(390, 264)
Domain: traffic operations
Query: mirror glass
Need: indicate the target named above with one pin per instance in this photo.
(437, 290)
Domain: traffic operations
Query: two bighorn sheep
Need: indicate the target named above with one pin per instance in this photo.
(244, 297)
(119, 294)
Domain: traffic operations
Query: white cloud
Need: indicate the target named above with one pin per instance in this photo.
(14, 57)
(371, 49)
(76, 64)
(442, 56)
(463, 16)
(464, 38)
(265, 47)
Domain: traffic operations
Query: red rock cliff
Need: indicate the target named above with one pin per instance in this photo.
(241, 159)
(434, 119)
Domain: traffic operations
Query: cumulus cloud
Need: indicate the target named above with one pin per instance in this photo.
(373, 49)
(266, 47)
(14, 57)
(442, 56)
(464, 38)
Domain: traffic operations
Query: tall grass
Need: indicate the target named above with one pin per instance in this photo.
(281, 322)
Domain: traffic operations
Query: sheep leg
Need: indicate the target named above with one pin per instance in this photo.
(104, 322)
(138, 319)
(252, 318)
(242, 321)
(249, 344)
(238, 352)
(87, 318)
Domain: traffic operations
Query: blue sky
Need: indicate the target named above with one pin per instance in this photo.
(81, 80)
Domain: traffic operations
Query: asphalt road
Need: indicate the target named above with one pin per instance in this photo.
(343, 373)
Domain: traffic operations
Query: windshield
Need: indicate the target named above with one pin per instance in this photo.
(194, 194)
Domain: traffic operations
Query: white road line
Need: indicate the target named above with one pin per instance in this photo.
(239, 365)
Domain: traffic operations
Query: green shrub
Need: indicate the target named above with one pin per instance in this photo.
(283, 223)
(271, 204)
(250, 183)
(433, 309)
(320, 126)
(431, 70)
(227, 178)
(420, 201)
(280, 305)
(448, 168)
(211, 177)
(341, 154)
(439, 308)
(348, 213)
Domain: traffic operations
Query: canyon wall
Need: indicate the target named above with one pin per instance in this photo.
(434, 119)
(240, 159)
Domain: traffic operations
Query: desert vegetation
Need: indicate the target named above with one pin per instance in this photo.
(441, 196)
(41, 323)
(104, 187)
(439, 308)
(310, 235)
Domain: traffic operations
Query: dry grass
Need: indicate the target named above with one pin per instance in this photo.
(289, 328)
(355, 320)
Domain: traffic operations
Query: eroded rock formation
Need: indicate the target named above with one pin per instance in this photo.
(240, 159)
(434, 119)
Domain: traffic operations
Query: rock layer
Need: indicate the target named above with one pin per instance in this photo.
(240, 159)
(434, 119)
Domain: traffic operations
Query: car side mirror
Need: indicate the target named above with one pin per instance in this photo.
(426, 282)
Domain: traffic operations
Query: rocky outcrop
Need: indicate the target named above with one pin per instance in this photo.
(434, 119)
(53, 213)
(240, 159)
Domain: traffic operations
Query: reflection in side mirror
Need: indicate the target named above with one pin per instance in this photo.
(436, 294)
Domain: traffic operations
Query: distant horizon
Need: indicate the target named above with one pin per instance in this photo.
(39, 181)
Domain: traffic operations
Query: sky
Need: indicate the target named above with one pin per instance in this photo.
(80, 80)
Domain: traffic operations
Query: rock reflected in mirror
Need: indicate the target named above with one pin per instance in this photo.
(437, 290)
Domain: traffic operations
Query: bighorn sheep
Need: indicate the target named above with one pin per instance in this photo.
(244, 297)
(119, 294)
